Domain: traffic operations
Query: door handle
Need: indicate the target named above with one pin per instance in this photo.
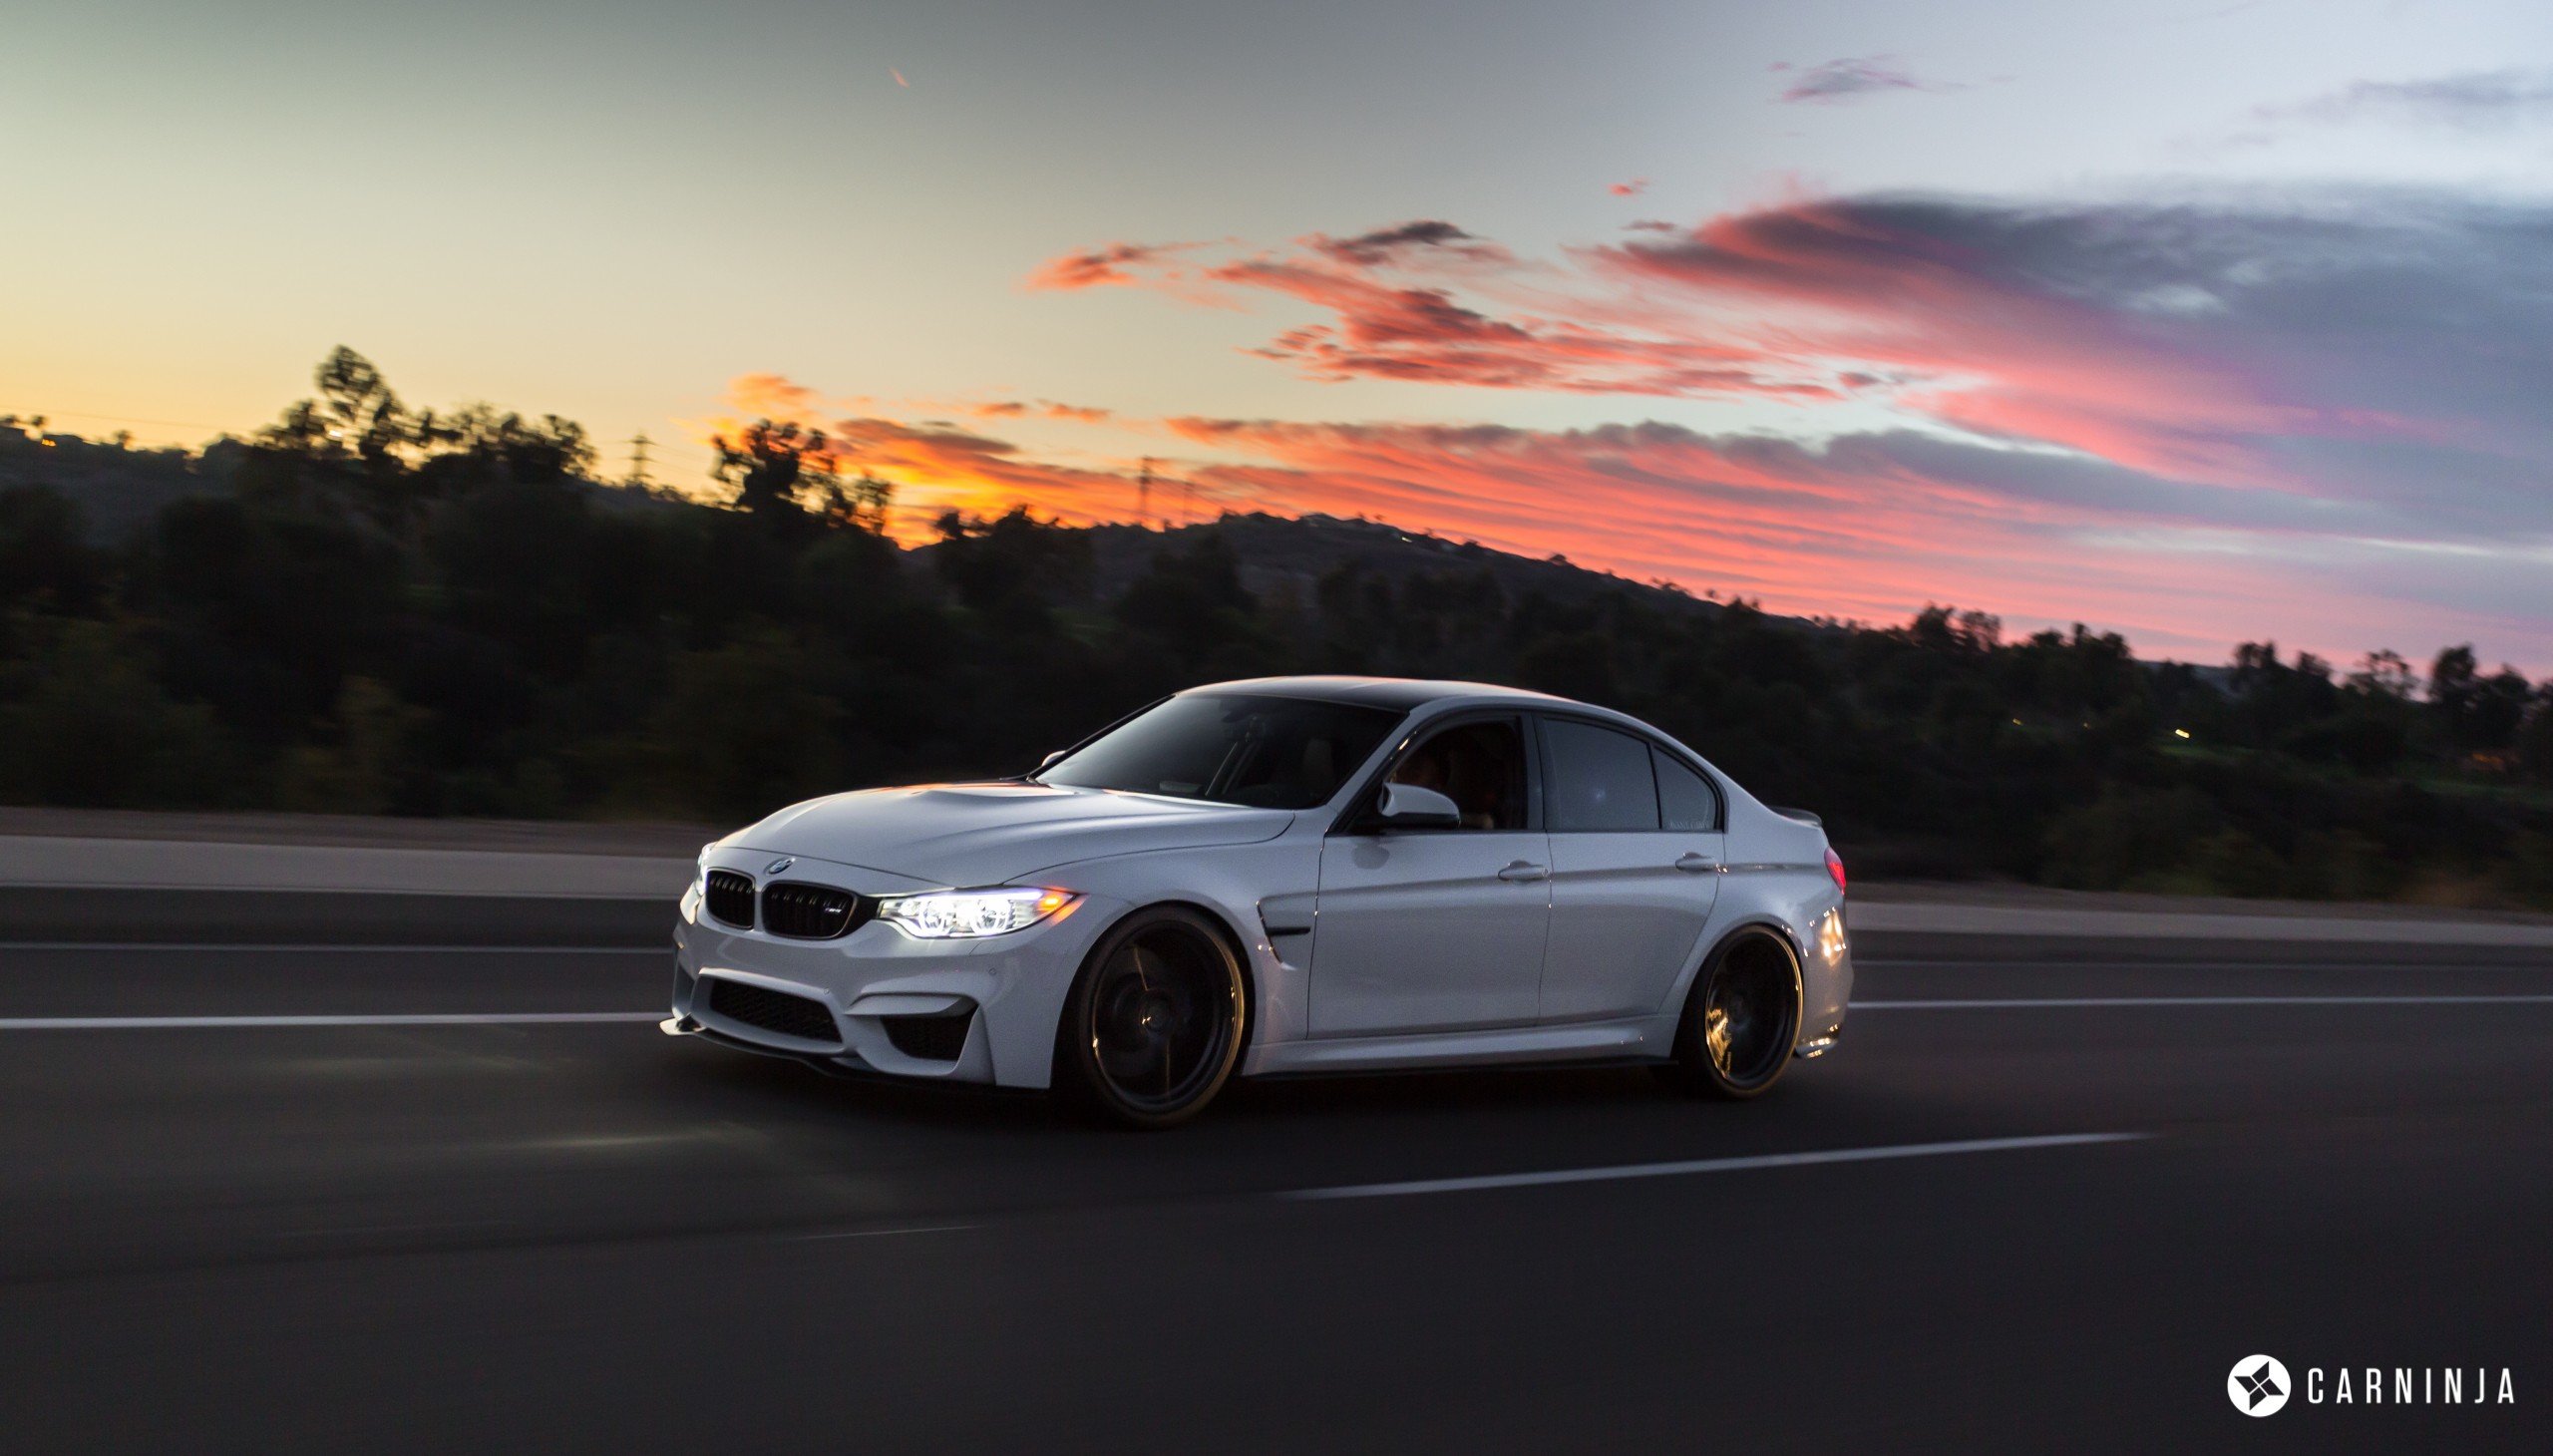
(1522, 869)
(1696, 863)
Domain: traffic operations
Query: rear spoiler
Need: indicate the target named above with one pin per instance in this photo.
(1802, 815)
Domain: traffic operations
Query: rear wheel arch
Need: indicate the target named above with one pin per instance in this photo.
(1754, 925)
(1692, 1066)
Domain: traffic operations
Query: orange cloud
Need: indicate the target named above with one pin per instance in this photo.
(773, 396)
(939, 467)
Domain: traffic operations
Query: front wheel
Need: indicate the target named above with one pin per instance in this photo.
(1152, 1027)
(1741, 1020)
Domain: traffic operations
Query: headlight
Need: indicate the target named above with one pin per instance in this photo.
(946, 915)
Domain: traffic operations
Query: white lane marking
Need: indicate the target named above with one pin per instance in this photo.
(426, 1019)
(880, 1233)
(1706, 1164)
(2035, 1003)
(304, 947)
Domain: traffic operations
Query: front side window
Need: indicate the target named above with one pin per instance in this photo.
(1480, 766)
(1601, 779)
(1230, 748)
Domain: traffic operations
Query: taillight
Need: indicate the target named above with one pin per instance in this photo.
(1835, 867)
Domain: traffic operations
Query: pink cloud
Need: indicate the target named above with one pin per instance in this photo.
(1109, 265)
(1926, 308)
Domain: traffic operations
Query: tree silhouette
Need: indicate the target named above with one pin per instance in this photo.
(772, 467)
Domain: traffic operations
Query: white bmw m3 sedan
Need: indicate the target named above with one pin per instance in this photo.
(1279, 877)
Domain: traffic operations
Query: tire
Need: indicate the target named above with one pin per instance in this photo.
(1154, 1025)
(1741, 1021)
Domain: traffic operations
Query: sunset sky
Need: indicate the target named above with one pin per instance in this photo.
(2195, 320)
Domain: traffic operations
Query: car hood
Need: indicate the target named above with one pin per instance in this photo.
(961, 835)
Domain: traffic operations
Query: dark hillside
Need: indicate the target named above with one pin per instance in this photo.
(371, 612)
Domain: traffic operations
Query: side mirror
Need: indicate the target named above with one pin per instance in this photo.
(1049, 759)
(1407, 805)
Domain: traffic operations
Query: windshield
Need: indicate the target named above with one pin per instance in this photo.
(1232, 748)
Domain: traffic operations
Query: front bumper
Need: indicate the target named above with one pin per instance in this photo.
(979, 1011)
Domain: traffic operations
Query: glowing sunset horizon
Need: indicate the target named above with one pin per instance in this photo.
(1830, 312)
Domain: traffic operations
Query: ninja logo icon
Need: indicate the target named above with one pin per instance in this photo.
(2259, 1385)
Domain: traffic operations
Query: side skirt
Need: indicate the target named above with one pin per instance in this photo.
(1647, 1038)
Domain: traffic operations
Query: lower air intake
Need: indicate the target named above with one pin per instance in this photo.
(936, 1038)
(799, 1016)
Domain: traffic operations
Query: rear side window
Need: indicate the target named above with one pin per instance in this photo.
(1685, 800)
(1601, 779)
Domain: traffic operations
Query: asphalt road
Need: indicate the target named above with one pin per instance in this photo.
(581, 1234)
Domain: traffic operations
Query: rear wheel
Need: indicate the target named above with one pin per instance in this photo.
(1741, 1021)
(1152, 1027)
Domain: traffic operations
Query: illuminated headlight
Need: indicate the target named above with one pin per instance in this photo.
(953, 915)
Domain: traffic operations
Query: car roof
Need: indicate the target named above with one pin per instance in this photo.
(1401, 693)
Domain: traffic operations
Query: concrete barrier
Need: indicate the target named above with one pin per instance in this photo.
(130, 863)
(62, 886)
(1904, 919)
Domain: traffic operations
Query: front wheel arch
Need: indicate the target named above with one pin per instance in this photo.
(1157, 974)
(1240, 949)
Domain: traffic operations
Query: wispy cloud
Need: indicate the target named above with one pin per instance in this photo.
(1631, 189)
(2471, 101)
(1427, 241)
(1849, 78)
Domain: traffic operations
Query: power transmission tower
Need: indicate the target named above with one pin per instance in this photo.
(1144, 495)
(638, 443)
